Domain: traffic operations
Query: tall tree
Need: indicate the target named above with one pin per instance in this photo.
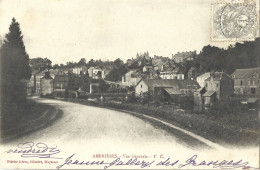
(14, 68)
(14, 56)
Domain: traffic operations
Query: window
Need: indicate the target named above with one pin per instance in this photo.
(252, 90)
(249, 82)
(241, 83)
(216, 84)
(141, 86)
(253, 82)
(206, 84)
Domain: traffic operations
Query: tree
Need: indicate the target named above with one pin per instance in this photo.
(116, 73)
(118, 63)
(40, 63)
(82, 62)
(91, 63)
(15, 59)
(14, 68)
(103, 86)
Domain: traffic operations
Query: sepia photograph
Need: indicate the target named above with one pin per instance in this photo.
(129, 84)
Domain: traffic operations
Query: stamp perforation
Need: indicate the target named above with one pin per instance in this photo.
(245, 18)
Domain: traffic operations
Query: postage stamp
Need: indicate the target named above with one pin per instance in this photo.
(234, 22)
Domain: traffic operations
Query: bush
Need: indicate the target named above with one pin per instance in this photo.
(72, 95)
(49, 96)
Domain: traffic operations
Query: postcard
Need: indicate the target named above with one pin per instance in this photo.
(129, 84)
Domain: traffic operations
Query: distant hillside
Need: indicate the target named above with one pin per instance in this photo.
(241, 55)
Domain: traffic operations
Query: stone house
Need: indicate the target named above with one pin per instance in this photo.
(221, 83)
(116, 86)
(198, 96)
(209, 98)
(97, 73)
(201, 79)
(172, 87)
(148, 68)
(132, 77)
(171, 73)
(61, 81)
(39, 75)
(46, 84)
(80, 70)
(247, 81)
(184, 56)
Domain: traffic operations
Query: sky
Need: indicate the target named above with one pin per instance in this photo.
(68, 30)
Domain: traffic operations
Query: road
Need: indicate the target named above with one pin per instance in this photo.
(86, 131)
(87, 124)
(84, 123)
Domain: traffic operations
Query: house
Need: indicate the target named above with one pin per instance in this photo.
(253, 103)
(160, 62)
(171, 73)
(198, 96)
(28, 86)
(201, 79)
(209, 98)
(61, 81)
(184, 56)
(46, 84)
(96, 73)
(171, 86)
(80, 70)
(116, 86)
(246, 81)
(38, 77)
(33, 80)
(147, 68)
(131, 78)
(221, 83)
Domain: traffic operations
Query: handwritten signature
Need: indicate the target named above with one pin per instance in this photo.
(192, 161)
(29, 150)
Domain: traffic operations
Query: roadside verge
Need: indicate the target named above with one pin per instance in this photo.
(216, 132)
(46, 119)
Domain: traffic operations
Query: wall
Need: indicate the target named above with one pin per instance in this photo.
(46, 86)
(141, 88)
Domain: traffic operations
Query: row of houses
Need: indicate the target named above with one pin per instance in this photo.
(206, 88)
(60, 78)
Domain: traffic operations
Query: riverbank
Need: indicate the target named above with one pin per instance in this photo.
(35, 117)
(218, 132)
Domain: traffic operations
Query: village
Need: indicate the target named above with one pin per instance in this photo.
(158, 80)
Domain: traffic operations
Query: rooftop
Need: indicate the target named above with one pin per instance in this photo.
(181, 84)
(219, 76)
(246, 73)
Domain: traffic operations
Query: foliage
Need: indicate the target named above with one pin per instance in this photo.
(40, 63)
(240, 55)
(82, 62)
(14, 68)
(117, 72)
(103, 86)
(225, 107)
(83, 82)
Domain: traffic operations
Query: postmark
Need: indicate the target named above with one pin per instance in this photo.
(234, 22)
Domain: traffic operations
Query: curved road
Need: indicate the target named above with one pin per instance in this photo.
(87, 131)
(90, 126)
